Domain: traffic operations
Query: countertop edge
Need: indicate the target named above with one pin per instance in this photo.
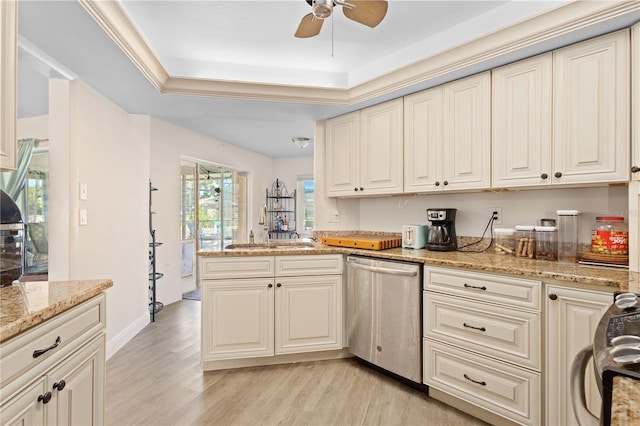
(32, 319)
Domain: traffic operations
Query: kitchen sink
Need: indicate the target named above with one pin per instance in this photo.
(271, 246)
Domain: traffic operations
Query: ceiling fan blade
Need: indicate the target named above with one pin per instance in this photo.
(367, 12)
(310, 26)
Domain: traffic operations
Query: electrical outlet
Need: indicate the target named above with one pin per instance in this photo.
(334, 216)
(496, 213)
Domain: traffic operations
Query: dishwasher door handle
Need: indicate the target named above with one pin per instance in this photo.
(382, 270)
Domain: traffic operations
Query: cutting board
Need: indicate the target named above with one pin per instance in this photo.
(362, 241)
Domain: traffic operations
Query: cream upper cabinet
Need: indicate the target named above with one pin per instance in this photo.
(364, 151)
(591, 110)
(635, 105)
(448, 136)
(343, 154)
(572, 317)
(521, 123)
(8, 75)
(423, 140)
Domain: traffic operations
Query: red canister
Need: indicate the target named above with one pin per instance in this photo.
(610, 235)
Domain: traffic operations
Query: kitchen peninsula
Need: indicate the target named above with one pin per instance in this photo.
(52, 346)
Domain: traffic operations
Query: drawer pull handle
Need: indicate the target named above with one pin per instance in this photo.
(39, 352)
(45, 398)
(475, 328)
(60, 385)
(483, 288)
(483, 383)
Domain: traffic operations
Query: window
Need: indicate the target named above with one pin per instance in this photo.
(306, 209)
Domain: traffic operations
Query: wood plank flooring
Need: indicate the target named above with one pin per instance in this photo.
(156, 379)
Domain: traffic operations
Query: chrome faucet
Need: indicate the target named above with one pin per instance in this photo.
(263, 221)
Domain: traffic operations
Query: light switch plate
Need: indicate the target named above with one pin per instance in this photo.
(83, 217)
(83, 191)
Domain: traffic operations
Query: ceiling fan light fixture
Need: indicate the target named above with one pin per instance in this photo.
(322, 9)
(301, 142)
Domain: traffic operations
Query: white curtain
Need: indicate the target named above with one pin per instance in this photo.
(13, 182)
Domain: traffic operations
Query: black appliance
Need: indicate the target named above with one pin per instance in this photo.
(11, 240)
(616, 354)
(441, 233)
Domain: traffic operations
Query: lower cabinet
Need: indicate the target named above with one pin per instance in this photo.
(66, 384)
(482, 342)
(295, 306)
(572, 318)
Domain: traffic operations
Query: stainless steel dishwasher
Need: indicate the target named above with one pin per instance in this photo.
(384, 317)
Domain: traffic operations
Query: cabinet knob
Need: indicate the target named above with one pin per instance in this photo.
(270, 285)
(437, 183)
(59, 385)
(361, 189)
(355, 189)
(635, 169)
(446, 182)
(45, 398)
(558, 175)
(279, 285)
(553, 296)
(544, 176)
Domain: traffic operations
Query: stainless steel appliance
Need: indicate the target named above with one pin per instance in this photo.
(414, 236)
(441, 234)
(615, 351)
(384, 314)
(11, 240)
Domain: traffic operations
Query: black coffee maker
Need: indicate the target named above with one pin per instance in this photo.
(441, 233)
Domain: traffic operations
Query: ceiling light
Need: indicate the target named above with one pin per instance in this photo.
(322, 8)
(301, 142)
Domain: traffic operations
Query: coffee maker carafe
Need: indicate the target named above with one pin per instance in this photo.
(441, 233)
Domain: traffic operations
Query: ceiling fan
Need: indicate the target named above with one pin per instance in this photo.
(367, 12)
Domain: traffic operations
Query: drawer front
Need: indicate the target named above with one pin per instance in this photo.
(73, 328)
(322, 264)
(487, 287)
(493, 330)
(492, 385)
(236, 267)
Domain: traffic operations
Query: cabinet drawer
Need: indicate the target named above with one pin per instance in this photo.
(74, 327)
(493, 330)
(491, 288)
(498, 387)
(236, 267)
(322, 264)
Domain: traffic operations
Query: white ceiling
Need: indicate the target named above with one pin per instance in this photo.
(248, 41)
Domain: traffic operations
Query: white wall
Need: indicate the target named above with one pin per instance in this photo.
(94, 142)
(518, 207)
(169, 143)
(33, 127)
(288, 169)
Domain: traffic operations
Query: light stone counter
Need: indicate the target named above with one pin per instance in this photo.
(571, 273)
(27, 304)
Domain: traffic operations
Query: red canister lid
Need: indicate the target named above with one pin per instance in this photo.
(610, 218)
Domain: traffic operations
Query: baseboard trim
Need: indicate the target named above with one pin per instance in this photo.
(224, 364)
(116, 343)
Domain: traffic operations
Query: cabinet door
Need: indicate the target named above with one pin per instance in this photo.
(423, 140)
(591, 110)
(8, 75)
(521, 123)
(381, 148)
(237, 318)
(635, 82)
(572, 318)
(308, 313)
(25, 408)
(467, 133)
(78, 388)
(343, 155)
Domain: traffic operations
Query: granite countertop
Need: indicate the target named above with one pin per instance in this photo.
(27, 304)
(609, 278)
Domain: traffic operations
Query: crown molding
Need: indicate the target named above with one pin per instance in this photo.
(564, 20)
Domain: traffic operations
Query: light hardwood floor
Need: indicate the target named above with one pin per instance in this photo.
(156, 379)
